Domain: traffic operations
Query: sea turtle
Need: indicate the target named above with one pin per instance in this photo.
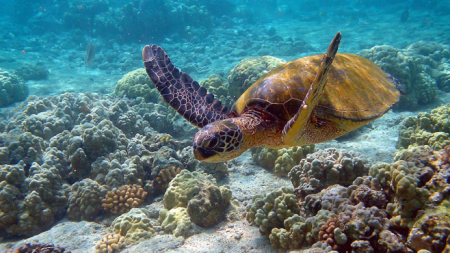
(302, 102)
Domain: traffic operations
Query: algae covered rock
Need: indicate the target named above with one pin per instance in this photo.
(12, 88)
(248, 71)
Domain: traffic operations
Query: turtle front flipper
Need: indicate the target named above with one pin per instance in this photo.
(295, 127)
(180, 91)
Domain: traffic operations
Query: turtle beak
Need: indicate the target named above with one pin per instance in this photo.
(198, 154)
(202, 154)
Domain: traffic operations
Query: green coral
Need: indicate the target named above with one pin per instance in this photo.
(176, 221)
(12, 88)
(272, 210)
(431, 129)
(292, 235)
(248, 71)
(137, 84)
(85, 200)
(135, 225)
(184, 187)
(282, 160)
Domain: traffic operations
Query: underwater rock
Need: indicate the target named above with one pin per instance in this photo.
(12, 88)
(431, 129)
(134, 225)
(282, 160)
(248, 71)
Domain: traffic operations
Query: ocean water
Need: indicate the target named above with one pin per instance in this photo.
(80, 119)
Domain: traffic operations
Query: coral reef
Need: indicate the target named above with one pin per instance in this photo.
(137, 84)
(270, 211)
(193, 196)
(30, 205)
(248, 71)
(85, 200)
(134, 226)
(122, 199)
(377, 213)
(421, 68)
(327, 167)
(32, 72)
(110, 243)
(282, 160)
(12, 88)
(431, 129)
(184, 187)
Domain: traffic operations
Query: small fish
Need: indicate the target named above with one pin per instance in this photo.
(23, 52)
(90, 55)
(404, 17)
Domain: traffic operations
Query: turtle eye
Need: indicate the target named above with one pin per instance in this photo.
(211, 143)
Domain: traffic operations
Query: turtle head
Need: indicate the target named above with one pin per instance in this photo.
(219, 141)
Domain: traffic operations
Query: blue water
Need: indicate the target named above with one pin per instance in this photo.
(202, 38)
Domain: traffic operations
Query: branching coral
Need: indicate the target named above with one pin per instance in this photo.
(121, 200)
(110, 243)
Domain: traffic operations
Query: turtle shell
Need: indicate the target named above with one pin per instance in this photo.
(356, 90)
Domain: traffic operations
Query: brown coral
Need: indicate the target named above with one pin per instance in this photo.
(121, 200)
(326, 232)
(110, 243)
(165, 176)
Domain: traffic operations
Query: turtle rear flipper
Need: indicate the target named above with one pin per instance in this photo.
(180, 91)
(294, 128)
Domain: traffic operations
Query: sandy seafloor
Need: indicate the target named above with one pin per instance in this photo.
(376, 141)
